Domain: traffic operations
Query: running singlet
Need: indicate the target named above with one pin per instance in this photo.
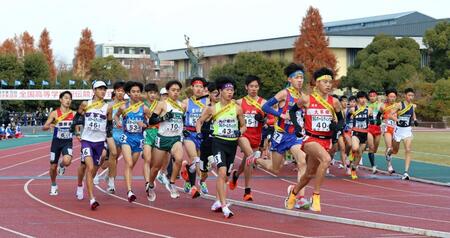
(115, 108)
(405, 119)
(348, 120)
(95, 123)
(131, 119)
(254, 128)
(318, 118)
(287, 125)
(387, 111)
(193, 112)
(375, 109)
(226, 123)
(173, 126)
(361, 120)
(62, 128)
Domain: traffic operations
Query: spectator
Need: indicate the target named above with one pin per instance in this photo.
(2, 132)
(18, 131)
(9, 132)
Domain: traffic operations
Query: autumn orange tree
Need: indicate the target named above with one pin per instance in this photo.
(311, 47)
(26, 44)
(84, 54)
(8, 47)
(44, 47)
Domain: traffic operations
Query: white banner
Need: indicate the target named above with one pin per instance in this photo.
(47, 94)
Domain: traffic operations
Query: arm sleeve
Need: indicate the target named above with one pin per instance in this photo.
(267, 107)
(109, 127)
(154, 119)
(293, 116)
(340, 122)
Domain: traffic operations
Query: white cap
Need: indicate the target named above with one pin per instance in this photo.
(98, 84)
(163, 91)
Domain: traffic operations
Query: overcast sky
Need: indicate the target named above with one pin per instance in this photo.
(162, 24)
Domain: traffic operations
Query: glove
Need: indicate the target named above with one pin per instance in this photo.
(186, 133)
(298, 134)
(416, 123)
(259, 118)
(167, 116)
(237, 133)
(333, 126)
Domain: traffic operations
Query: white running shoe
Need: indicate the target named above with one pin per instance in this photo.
(61, 170)
(54, 190)
(131, 197)
(151, 195)
(111, 186)
(405, 176)
(80, 193)
(162, 178)
(390, 168)
(340, 166)
(227, 212)
(93, 204)
(374, 170)
(173, 190)
(216, 207)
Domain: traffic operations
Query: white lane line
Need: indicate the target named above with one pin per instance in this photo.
(356, 195)
(16, 232)
(27, 191)
(24, 151)
(26, 161)
(203, 218)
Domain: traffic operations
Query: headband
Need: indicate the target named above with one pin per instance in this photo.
(296, 73)
(324, 77)
(197, 82)
(228, 85)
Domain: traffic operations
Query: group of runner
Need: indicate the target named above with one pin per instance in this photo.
(210, 125)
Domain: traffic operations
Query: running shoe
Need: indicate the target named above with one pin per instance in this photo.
(194, 192)
(184, 170)
(354, 175)
(211, 162)
(374, 170)
(227, 212)
(216, 207)
(234, 178)
(203, 187)
(80, 193)
(340, 166)
(250, 161)
(93, 204)
(173, 190)
(348, 171)
(111, 186)
(162, 178)
(131, 197)
(391, 169)
(315, 203)
(61, 170)
(151, 195)
(302, 203)
(248, 197)
(187, 187)
(290, 200)
(54, 190)
(405, 176)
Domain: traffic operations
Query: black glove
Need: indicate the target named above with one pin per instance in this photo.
(416, 123)
(298, 134)
(167, 116)
(186, 133)
(237, 133)
(259, 117)
(333, 126)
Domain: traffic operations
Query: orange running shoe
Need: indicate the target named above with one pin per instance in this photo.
(184, 170)
(233, 183)
(248, 197)
(194, 192)
(354, 175)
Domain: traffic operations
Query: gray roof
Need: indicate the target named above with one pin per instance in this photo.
(367, 19)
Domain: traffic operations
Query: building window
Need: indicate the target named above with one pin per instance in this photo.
(108, 50)
(142, 51)
(132, 51)
(121, 51)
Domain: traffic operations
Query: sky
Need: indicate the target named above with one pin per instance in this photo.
(163, 24)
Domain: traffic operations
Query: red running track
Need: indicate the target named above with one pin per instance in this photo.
(27, 209)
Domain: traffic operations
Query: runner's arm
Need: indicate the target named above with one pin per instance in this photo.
(340, 118)
(48, 124)
(268, 106)
(241, 119)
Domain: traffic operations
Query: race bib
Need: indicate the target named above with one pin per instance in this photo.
(403, 119)
(133, 126)
(250, 120)
(361, 124)
(193, 119)
(227, 127)
(321, 123)
(63, 133)
(390, 122)
(96, 125)
(277, 136)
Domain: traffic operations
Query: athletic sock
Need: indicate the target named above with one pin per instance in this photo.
(372, 159)
(53, 183)
(247, 190)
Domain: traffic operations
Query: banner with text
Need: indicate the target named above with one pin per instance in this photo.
(47, 94)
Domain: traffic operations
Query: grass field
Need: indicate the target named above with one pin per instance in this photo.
(431, 147)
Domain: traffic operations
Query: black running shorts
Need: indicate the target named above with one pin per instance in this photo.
(224, 152)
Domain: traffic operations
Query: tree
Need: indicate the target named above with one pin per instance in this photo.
(142, 70)
(385, 63)
(108, 68)
(270, 72)
(26, 44)
(311, 47)
(35, 68)
(44, 47)
(84, 54)
(437, 41)
(11, 68)
(8, 47)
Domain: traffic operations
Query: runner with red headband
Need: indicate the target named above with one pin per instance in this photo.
(374, 135)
